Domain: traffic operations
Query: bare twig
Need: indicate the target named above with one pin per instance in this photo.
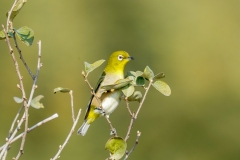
(71, 95)
(9, 15)
(21, 87)
(8, 140)
(21, 56)
(14, 121)
(32, 128)
(127, 104)
(68, 137)
(5, 155)
(144, 97)
(135, 144)
(130, 127)
(29, 102)
(113, 130)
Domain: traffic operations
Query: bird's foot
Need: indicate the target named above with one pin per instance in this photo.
(101, 111)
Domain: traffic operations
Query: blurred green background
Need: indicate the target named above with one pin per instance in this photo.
(195, 43)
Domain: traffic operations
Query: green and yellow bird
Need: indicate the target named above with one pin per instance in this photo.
(110, 100)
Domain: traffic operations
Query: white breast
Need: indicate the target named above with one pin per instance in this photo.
(111, 102)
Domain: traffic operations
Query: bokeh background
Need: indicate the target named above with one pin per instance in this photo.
(195, 43)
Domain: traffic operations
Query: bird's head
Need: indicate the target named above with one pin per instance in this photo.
(117, 61)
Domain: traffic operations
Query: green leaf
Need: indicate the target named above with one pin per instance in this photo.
(2, 35)
(136, 96)
(148, 73)
(140, 81)
(17, 9)
(118, 84)
(159, 76)
(18, 100)
(128, 90)
(162, 87)
(26, 35)
(60, 89)
(138, 73)
(35, 102)
(90, 67)
(117, 147)
(131, 73)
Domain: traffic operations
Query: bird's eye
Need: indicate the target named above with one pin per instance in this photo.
(120, 57)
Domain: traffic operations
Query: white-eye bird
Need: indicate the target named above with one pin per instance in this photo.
(110, 100)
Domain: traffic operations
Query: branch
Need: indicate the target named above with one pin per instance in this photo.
(8, 140)
(9, 14)
(127, 104)
(68, 137)
(21, 56)
(21, 87)
(32, 128)
(130, 126)
(135, 144)
(29, 102)
(14, 121)
(71, 95)
(144, 97)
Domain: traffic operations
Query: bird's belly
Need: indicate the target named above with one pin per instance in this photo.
(111, 102)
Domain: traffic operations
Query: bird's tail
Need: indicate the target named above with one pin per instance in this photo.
(83, 129)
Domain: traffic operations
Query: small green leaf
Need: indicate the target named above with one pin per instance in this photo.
(128, 90)
(136, 96)
(140, 81)
(117, 147)
(2, 35)
(159, 76)
(18, 100)
(17, 9)
(148, 73)
(131, 73)
(90, 67)
(122, 83)
(60, 89)
(35, 102)
(118, 84)
(26, 35)
(138, 73)
(162, 87)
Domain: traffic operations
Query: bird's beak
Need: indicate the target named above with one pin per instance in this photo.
(130, 58)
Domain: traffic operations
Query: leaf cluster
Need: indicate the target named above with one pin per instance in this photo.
(25, 34)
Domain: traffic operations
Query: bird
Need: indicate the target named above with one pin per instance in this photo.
(109, 100)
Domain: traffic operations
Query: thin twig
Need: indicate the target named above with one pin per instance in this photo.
(32, 128)
(127, 104)
(8, 140)
(5, 155)
(29, 102)
(71, 95)
(134, 115)
(9, 15)
(21, 56)
(135, 144)
(144, 97)
(14, 121)
(21, 87)
(113, 131)
(68, 137)
(130, 127)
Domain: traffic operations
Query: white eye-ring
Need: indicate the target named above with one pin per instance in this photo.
(120, 57)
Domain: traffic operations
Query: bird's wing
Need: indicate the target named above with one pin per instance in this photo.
(95, 90)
